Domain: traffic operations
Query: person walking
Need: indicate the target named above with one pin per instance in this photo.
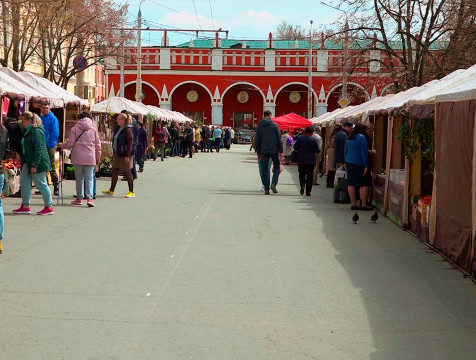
(3, 148)
(288, 143)
(142, 146)
(340, 140)
(227, 138)
(198, 138)
(357, 166)
(268, 146)
(160, 139)
(85, 155)
(174, 139)
(317, 135)
(206, 138)
(330, 163)
(36, 162)
(51, 130)
(187, 140)
(123, 143)
(307, 147)
(217, 133)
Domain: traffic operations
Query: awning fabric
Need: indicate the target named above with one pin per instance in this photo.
(290, 121)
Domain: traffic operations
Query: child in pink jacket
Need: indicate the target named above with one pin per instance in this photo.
(85, 155)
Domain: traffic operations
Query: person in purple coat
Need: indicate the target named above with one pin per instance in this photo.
(142, 145)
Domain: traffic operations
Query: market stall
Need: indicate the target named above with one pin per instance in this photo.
(455, 174)
(291, 121)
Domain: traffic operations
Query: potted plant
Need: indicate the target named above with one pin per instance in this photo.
(106, 167)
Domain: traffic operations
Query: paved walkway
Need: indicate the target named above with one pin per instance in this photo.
(201, 265)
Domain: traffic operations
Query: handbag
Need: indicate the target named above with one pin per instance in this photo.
(71, 153)
(294, 156)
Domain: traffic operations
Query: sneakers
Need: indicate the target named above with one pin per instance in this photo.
(273, 188)
(108, 192)
(22, 210)
(266, 192)
(130, 194)
(48, 210)
(1, 248)
(90, 203)
(77, 202)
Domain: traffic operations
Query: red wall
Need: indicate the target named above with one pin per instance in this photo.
(231, 104)
(151, 97)
(181, 104)
(285, 106)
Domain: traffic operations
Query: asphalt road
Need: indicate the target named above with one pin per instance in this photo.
(202, 265)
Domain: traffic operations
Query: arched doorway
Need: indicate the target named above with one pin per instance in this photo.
(193, 100)
(149, 94)
(356, 94)
(293, 98)
(242, 106)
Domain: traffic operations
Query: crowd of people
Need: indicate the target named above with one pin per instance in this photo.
(349, 149)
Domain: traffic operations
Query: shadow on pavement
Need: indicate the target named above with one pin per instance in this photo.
(417, 305)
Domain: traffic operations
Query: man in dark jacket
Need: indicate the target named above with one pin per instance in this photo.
(307, 147)
(341, 137)
(15, 134)
(142, 145)
(268, 146)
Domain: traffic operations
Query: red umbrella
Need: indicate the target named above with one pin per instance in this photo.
(291, 121)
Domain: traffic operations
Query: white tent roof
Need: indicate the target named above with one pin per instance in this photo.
(11, 87)
(428, 97)
(67, 97)
(463, 92)
(117, 104)
(325, 118)
(54, 99)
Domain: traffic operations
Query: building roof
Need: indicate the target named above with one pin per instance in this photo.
(291, 44)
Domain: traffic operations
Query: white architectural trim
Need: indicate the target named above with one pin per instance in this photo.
(143, 82)
(367, 96)
(191, 82)
(295, 83)
(245, 83)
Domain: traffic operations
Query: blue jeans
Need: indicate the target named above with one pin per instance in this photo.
(134, 169)
(264, 167)
(41, 183)
(2, 220)
(84, 175)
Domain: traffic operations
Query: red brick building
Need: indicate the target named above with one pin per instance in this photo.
(232, 82)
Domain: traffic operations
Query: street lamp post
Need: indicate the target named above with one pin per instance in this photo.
(344, 100)
(309, 83)
(139, 56)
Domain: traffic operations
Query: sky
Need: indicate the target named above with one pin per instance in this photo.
(245, 19)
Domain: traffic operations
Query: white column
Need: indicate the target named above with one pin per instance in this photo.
(217, 113)
(167, 105)
(322, 60)
(271, 107)
(270, 60)
(164, 58)
(217, 59)
(320, 109)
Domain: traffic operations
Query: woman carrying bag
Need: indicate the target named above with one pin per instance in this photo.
(35, 165)
(85, 155)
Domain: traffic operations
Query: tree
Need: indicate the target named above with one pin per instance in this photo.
(89, 28)
(20, 40)
(285, 31)
(418, 39)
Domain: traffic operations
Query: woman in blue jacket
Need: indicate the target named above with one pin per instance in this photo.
(357, 165)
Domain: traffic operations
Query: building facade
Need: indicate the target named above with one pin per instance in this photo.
(232, 82)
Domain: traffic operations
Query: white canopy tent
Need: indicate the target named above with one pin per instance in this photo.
(13, 88)
(67, 97)
(53, 98)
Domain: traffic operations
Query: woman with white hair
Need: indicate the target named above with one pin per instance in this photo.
(35, 165)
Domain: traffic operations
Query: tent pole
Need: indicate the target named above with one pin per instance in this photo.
(407, 185)
(388, 160)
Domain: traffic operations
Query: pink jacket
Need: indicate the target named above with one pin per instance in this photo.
(86, 148)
